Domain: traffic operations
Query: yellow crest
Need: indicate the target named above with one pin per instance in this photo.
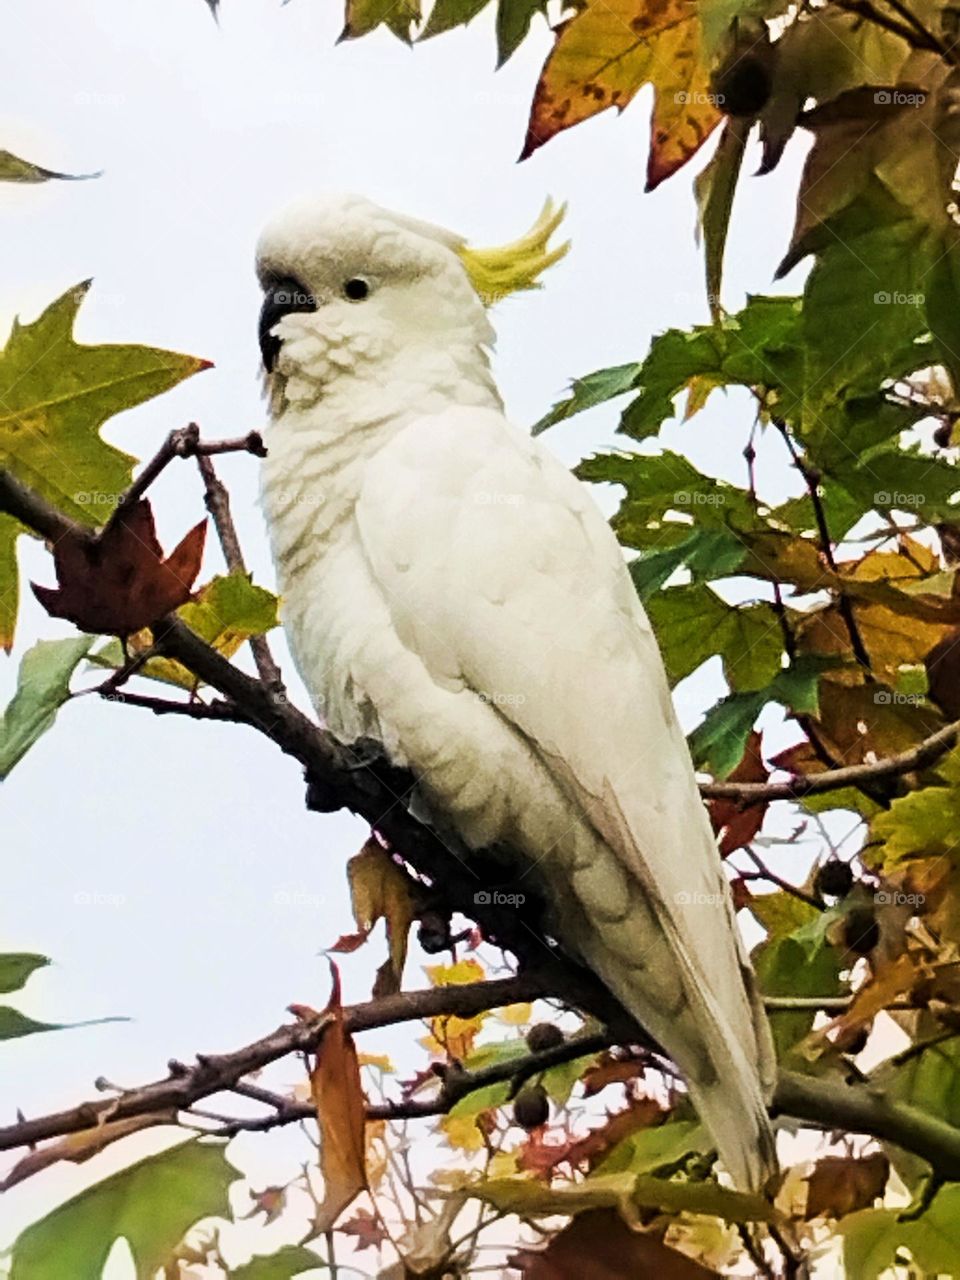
(511, 268)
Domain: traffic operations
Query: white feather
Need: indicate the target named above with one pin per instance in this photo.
(451, 590)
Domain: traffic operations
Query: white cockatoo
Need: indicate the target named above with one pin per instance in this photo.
(451, 591)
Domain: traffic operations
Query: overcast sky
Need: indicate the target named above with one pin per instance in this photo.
(169, 868)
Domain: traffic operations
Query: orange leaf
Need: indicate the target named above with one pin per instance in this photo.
(121, 583)
(606, 53)
(338, 1097)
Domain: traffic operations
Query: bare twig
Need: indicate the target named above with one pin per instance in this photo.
(217, 501)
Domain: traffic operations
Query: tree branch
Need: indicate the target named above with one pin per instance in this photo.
(919, 757)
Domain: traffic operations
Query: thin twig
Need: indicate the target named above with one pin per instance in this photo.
(217, 501)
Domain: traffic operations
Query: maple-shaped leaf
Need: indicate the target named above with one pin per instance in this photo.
(367, 1227)
(120, 582)
(606, 53)
(55, 395)
(337, 1094)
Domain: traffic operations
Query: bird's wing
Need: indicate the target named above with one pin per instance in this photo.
(499, 571)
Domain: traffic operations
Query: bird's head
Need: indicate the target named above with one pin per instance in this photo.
(351, 289)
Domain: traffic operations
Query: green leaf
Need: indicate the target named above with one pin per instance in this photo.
(922, 823)
(55, 395)
(667, 482)
(872, 1237)
(364, 16)
(799, 963)
(714, 187)
(151, 1204)
(706, 553)
(665, 1146)
(692, 624)
(447, 14)
(719, 740)
(13, 169)
(513, 22)
(16, 967)
(586, 393)
(929, 1080)
(291, 1260)
(43, 685)
(14, 1024)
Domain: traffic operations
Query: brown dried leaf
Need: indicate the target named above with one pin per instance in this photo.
(78, 1147)
(121, 583)
(599, 1244)
(337, 1094)
(840, 1185)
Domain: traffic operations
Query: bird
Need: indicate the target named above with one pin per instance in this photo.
(452, 593)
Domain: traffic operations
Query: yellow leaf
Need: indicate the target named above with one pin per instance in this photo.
(381, 1061)
(449, 975)
(462, 1132)
(380, 890)
(516, 1015)
(605, 53)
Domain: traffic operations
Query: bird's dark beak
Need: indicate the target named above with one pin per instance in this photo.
(280, 299)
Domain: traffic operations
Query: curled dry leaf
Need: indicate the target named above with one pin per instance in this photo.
(78, 1147)
(120, 582)
(337, 1094)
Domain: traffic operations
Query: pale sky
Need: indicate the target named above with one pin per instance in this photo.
(169, 868)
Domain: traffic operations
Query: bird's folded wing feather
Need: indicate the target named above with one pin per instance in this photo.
(500, 573)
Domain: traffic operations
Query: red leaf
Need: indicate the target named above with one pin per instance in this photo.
(737, 826)
(119, 583)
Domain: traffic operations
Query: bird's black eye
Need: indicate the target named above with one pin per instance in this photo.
(356, 289)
